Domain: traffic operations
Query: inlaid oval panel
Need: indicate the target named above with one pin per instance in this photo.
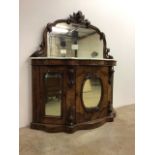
(91, 92)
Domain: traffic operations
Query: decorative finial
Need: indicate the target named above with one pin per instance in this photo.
(78, 18)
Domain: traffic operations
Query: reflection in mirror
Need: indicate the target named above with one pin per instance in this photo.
(91, 92)
(53, 90)
(73, 40)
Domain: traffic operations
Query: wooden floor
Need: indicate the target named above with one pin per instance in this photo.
(116, 138)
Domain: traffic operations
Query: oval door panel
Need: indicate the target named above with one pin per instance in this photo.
(91, 92)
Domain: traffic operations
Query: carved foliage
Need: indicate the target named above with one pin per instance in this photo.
(78, 18)
(71, 76)
(111, 72)
(110, 81)
(107, 54)
(110, 108)
(70, 118)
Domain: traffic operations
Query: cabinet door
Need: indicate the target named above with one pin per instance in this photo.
(91, 93)
(52, 94)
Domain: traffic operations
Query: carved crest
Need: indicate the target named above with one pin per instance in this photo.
(78, 18)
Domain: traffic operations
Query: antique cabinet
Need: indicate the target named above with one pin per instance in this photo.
(72, 77)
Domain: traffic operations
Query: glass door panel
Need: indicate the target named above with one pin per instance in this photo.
(53, 94)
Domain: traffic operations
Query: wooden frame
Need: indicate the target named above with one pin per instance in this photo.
(76, 18)
(92, 76)
(50, 118)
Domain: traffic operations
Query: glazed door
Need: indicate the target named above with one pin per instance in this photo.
(91, 93)
(53, 94)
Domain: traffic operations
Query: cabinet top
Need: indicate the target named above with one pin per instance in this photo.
(41, 61)
(72, 58)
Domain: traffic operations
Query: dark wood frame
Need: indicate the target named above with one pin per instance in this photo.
(62, 87)
(50, 118)
(76, 18)
(96, 108)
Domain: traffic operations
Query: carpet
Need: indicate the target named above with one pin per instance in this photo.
(114, 138)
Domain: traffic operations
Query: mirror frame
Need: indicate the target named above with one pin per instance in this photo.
(96, 108)
(76, 18)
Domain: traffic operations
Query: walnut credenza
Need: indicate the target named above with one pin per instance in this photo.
(69, 75)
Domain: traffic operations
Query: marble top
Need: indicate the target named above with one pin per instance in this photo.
(73, 58)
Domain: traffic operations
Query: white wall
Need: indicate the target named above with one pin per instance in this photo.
(114, 18)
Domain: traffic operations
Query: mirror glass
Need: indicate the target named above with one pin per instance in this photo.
(91, 92)
(53, 90)
(73, 40)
